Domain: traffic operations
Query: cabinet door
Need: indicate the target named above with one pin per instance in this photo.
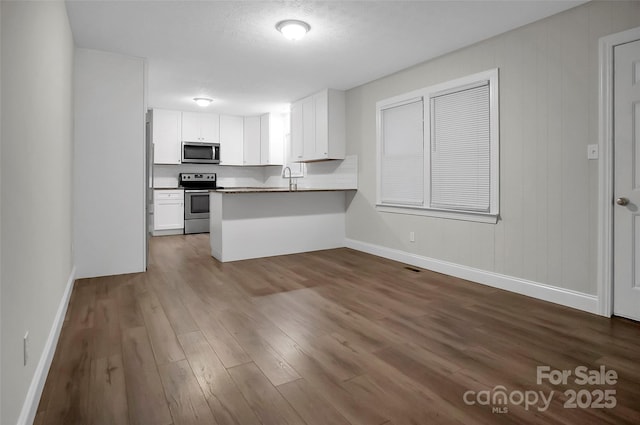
(297, 136)
(168, 215)
(168, 209)
(321, 109)
(191, 127)
(231, 140)
(165, 133)
(264, 139)
(210, 128)
(276, 138)
(309, 128)
(251, 141)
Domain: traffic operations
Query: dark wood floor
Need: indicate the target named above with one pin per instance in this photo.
(327, 338)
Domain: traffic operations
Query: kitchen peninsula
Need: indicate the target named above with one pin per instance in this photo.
(262, 222)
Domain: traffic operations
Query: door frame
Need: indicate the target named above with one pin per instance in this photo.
(605, 168)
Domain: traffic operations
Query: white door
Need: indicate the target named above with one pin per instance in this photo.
(626, 217)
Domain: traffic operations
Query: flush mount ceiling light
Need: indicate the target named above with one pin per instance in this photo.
(202, 101)
(293, 29)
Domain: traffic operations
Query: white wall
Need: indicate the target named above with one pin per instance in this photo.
(167, 175)
(36, 180)
(549, 114)
(0, 219)
(109, 181)
(334, 174)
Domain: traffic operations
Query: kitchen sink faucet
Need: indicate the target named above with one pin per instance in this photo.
(284, 175)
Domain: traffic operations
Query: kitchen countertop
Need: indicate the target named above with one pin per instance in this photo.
(273, 189)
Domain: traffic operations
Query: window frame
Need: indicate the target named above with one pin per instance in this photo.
(426, 95)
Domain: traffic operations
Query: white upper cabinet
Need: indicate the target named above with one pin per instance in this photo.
(231, 140)
(272, 139)
(210, 128)
(256, 140)
(165, 136)
(318, 127)
(251, 143)
(200, 127)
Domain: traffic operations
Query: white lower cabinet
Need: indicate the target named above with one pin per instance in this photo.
(168, 212)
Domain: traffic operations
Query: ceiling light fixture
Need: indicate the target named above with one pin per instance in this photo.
(293, 29)
(202, 101)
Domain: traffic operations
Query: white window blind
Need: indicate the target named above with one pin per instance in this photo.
(461, 150)
(438, 150)
(402, 159)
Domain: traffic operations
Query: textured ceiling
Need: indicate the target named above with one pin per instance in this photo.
(230, 50)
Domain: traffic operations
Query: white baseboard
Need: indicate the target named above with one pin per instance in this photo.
(30, 406)
(167, 232)
(565, 297)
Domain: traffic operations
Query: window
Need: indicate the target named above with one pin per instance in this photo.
(403, 161)
(438, 150)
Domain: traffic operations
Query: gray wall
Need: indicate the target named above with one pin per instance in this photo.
(549, 114)
(36, 181)
(109, 178)
(0, 218)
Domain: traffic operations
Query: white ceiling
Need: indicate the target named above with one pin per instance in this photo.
(230, 50)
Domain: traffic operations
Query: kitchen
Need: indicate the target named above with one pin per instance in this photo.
(237, 109)
(225, 149)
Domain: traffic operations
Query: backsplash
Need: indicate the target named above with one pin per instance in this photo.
(228, 176)
(335, 174)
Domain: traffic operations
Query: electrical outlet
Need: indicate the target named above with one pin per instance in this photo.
(592, 152)
(412, 236)
(25, 348)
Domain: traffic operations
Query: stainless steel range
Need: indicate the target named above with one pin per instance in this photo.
(196, 200)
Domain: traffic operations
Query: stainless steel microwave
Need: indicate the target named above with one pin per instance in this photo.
(200, 153)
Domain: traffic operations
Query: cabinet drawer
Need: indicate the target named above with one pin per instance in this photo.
(169, 194)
